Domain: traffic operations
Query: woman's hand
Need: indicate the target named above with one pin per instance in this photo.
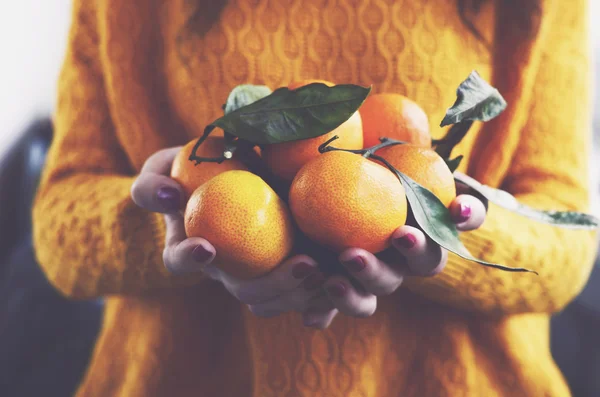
(413, 254)
(292, 286)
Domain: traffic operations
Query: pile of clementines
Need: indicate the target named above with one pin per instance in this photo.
(337, 199)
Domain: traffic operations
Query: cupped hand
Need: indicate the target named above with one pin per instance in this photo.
(292, 286)
(412, 254)
(155, 191)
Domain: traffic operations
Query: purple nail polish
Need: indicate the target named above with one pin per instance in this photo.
(169, 198)
(407, 241)
(314, 281)
(201, 254)
(356, 264)
(465, 212)
(302, 270)
(337, 289)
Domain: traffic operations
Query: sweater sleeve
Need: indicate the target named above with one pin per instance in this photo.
(90, 238)
(550, 170)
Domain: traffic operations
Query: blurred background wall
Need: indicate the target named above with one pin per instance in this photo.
(32, 42)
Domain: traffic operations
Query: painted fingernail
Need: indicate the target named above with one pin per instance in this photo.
(201, 254)
(407, 241)
(302, 270)
(314, 281)
(169, 198)
(465, 212)
(356, 264)
(337, 289)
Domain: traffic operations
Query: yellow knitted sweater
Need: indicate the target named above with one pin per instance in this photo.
(140, 76)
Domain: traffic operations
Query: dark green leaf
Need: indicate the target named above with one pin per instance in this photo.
(287, 115)
(454, 163)
(244, 95)
(455, 134)
(475, 100)
(231, 144)
(565, 219)
(434, 219)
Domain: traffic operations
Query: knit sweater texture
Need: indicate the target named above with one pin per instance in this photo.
(140, 76)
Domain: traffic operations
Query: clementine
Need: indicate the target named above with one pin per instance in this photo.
(394, 116)
(424, 166)
(285, 159)
(190, 176)
(343, 200)
(247, 223)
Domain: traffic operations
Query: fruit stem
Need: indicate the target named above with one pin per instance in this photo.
(366, 153)
(387, 164)
(194, 155)
(455, 134)
(326, 148)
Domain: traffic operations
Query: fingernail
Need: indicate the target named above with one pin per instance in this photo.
(465, 212)
(355, 264)
(169, 198)
(314, 281)
(337, 289)
(407, 241)
(302, 270)
(201, 254)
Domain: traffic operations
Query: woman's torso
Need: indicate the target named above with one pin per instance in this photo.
(168, 69)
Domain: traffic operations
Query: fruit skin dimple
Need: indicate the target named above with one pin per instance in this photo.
(342, 200)
(285, 159)
(243, 218)
(394, 116)
(191, 176)
(424, 166)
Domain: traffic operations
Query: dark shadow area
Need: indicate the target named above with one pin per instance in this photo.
(45, 339)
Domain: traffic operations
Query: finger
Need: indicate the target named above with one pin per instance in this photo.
(286, 277)
(157, 193)
(174, 228)
(320, 302)
(297, 300)
(468, 212)
(269, 309)
(423, 257)
(462, 188)
(348, 299)
(161, 161)
(185, 255)
(373, 274)
(319, 319)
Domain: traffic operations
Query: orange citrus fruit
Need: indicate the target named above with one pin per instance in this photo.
(244, 219)
(285, 159)
(191, 176)
(394, 116)
(343, 200)
(424, 166)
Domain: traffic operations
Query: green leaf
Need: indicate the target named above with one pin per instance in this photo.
(435, 220)
(244, 95)
(455, 134)
(475, 100)
(287, 115)
(454, 163)
(564, 219)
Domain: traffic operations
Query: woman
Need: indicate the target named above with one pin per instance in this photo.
(140, 77)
